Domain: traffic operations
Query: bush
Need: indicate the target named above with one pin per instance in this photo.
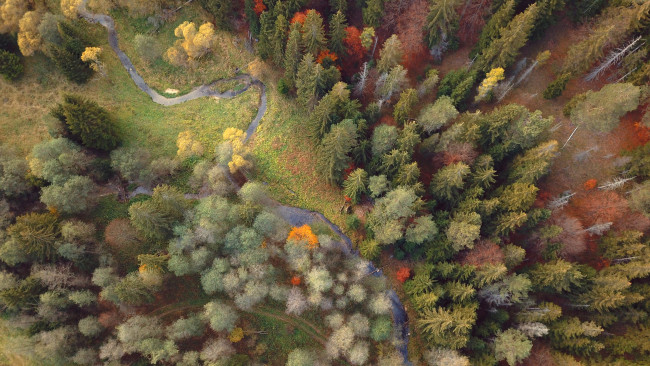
(11, 66)
(283, 86)
(353, 222)
(556, 87)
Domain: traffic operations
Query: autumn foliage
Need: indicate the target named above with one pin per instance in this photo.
(304, 233)
(295, 280)
(326, 54)
(354, 51)
(259, 7)
(299, 17)
(590, 184)
(485, 252)
(403, 274)
(642, 133)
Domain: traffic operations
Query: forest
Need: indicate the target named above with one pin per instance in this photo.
(325, 182)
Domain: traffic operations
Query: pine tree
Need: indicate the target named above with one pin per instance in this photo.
(334, 150)
(307, 81)
(490, 32)
(503, 50)
(448, 181)
(509, 222)
(409, 138)
(391, 83)
(313, 34)
(403, 107)
(575, 336)
(448, 328)
(279, 39)
(373, 12)
(337, 33)
(325, 113)
(356, 185)
(442, 20)
(390, 54)
(36, 234)
(87, 122)
(292, 54)
(408, 174)
(534, 163)
(512, 346)
(560, 276)
(267, 32)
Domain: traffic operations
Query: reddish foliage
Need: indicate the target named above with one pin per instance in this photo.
(354, 51)
(410, 31)
(347, 199)
(120, 234)
(326, 54)
(540, 355)
(351, 167)
(485, 252)
(457, 152)
(472, 20)
(600, 207)
(590, 184)
(642, 133)
(601, 263)
(259, 7)
(299, 17)
(109, 319)
(295, 280)
(403, 274)
(572, 236)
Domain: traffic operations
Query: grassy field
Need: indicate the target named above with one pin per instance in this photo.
(26, 105)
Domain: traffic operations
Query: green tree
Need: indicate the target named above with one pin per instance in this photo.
(356, 185)
(408, 174)
(292, 53)
(447, 327)
(512, 345)
(373, 12)
(301, 357)
(390, 54)
(534, 163)
(464, 230)
(153, 218)
(308, 80)
(326, 111)
(337, 32)
(11, 65)
(449, 181)
(560, 276)
(267, 31)
(442, 21)
(391, 83)
(490, 31)
(421, 230)
(313, 34)
(409, 138)
(74, 196)
(132, 290)
(87, 122)
(640, 198)
(435, 116)
(575, 336)
(221, 10)
(384, 139)
(36, 234)
(503, 51)
(389, 217)
(279, 39)
(334, 150)
(407, 101)
(57, 160)
(220, 316)
(67, 56)
(601, 111)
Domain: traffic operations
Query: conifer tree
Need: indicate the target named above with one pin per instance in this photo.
(292, 54)
(267, 32)
(512, 346)
(490, 31)
(356, 185)
(338, 5)
(448, 181)
(36, 235)
(408, 174)
(279, 39)
(503, 50)
(373, 12)
(324, 113)
(337, 33)
(442, 20)
(409, 138)
(334, 150)
(67, 56)
(87, 122)
(307, 81)
(390, 54)
(407, 101)
(448, 328)
(534, 163)
(313, 34)
(560, 276)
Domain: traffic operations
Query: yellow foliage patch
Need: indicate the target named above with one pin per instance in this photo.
(305, 234)
(236, 335)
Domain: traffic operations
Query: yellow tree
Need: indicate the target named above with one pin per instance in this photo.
(491, 79)
(29, 38)
(193, 44)
(91, 55)
(188, 145)
(70, 8)
(11, 11)
(235, 138)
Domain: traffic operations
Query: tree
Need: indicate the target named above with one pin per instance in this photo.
(57, 160)
(220, 316)
(337, 32)
(220, 9)
(448, 328)
(265, 43)
(449, 181)
(36, 234)
(463, 230)
(560, 276)
(301, 357)
(491, 79)
(575, 336)
(279, 39)
(67, 55)
(356, 185)
(600, 111)
(132, 290)
(390, 54)
(434, 116)
(29, 39)
(373, 12)
(407, 101)
(534, 163)
(74, 196)
(640, 199)
(381, 328)
(421, 230)
(445, 357)
(490, 32)
(193, 44)
(313, 34)
(11, 66)
(90, 326)
(153, 218)
(87, 122)
(391, 83)
(384, 139)
(326, 111)
(512, 345)
(334, 150)
(442, 21)
(133, 332)
(11, 12)
(292, 54)
(308, 78)
(389, 217)
(503, 51)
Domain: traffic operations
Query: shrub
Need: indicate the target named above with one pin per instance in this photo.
(556, 87)
(381, 329)
(90, 326)
(11, 66)
(283, 86)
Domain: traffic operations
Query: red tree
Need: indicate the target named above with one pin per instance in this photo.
(472, 20)
(410, 31)
(299, 17)
(485, 252)
(590, 184)
(259, 7)
(354, 51)
(295, 280)
(403, 274)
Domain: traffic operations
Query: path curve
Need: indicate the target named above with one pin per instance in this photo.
(294, 215)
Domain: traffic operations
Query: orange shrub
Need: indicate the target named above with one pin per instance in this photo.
(259, 7)
(590, 184)
(305, 234)
(299, 17)
(295, 280)
(403, 274)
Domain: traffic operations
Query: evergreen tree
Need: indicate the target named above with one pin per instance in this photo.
(87, 122)
(560, 276)
(266, 34)
(448, 328)
(313, 34)
(409, 138)
(442, 21)
(407, 101)
(36, 235)
(325, 113)
(11, 66)
(408, 174)
(356, 185)
(503, 50)
(534, 163)
(154, 217)
(490, 31)
(307, 80)
(251, 16)
(449, 181)
(390, 54)
(512, 346)
(601, 111)
(292, 53)
(67, 56)
(220, 9)
(391, 83)
(338, 6)
(334, 150)
(279, 39)
(575, 336)
(337, 33)
(373, 12)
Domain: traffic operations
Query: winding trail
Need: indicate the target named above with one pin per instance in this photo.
(293, 215)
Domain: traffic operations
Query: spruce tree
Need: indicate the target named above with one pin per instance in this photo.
(490, 31)
(390, 54)
(307, 81)
(313, 34)
(407, 101)
(338, 6)
(279, 39)
(11, 66)
(534, 163)
(408, 174)
(559, 276)
(220, 9)
(267, 31)
(337, 33)
(503, 50)
(87, 122)
(292, 54)
(373, 12)
(448, 181)
(334, 150)
(356, 185)
(251, 16)
(512, 346)
(325, 113)
(442, 20)
(67, 56)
